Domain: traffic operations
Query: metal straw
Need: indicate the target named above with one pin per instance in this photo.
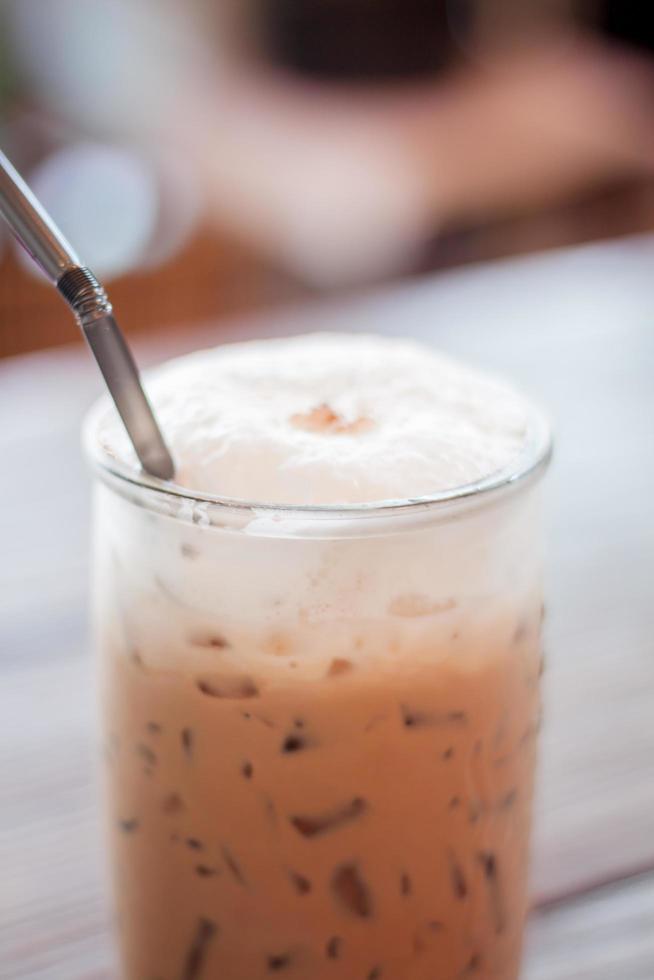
(37, 232)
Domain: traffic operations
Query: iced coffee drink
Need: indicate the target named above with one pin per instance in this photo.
(320, 662)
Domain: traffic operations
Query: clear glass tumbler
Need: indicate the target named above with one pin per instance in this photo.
(320, 728)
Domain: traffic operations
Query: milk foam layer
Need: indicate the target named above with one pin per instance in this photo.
(329, 418)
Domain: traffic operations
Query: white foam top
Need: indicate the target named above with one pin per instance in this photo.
(329, 418)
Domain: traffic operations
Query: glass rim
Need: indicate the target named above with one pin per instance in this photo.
(531, 460)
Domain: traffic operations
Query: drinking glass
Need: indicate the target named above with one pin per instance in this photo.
(320, 727)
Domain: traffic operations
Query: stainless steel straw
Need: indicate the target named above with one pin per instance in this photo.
(39, 235)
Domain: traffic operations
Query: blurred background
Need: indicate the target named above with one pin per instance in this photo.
(210, 158)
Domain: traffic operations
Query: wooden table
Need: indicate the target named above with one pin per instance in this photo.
(577, 329)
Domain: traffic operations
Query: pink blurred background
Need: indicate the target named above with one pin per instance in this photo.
(212, 158)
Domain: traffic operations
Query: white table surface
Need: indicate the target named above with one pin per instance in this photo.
(576, 328)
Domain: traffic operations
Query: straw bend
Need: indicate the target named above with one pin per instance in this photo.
(84, 294)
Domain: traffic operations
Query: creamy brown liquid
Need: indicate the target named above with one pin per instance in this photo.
(361, 820)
